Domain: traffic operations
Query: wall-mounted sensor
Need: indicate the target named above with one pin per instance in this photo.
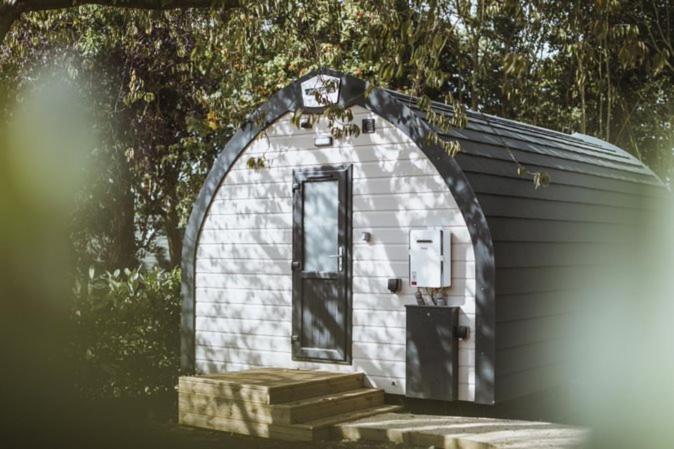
(365, 236)
(394, 285)
(367, 126)
(323, 141)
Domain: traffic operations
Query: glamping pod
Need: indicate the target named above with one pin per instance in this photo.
(435, 276)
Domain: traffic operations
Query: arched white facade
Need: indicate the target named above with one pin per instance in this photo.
(243, 280)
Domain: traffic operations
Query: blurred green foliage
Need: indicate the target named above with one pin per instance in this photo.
(127, 341)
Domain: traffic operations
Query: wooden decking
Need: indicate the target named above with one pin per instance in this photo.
(452, 432)
(277, 403)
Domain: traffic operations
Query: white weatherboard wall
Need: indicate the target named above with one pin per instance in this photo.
(243, 275)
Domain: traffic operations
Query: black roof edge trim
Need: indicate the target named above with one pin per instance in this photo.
(353, 91)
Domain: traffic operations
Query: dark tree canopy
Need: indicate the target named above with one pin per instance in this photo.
(169, 81)
(10, 10)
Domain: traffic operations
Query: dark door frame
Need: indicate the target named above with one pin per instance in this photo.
(344, 174)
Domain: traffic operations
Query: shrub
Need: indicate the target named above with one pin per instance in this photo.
(127, 341)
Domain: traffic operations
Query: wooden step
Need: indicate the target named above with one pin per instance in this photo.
(324, 428)
(317, 387)
(326, 405)
(288, 433)
(295, 405)
(319, 429)
(270, 386)
(201, 404)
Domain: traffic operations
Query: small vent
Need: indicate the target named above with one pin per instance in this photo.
(368, 126)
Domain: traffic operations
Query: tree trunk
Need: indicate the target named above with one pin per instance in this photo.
(474, 75)
(123, 229)
(583, 110)
(477, 34)
(174, 235)
(580, 82)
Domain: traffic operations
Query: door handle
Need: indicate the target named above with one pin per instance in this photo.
(340, 258)
(295, 265)
(295, 337)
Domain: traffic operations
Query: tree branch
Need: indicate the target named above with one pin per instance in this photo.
(10, 10)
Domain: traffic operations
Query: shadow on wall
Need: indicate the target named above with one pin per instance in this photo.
(244, 278)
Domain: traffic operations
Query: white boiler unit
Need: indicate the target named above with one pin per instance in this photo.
(430, 258)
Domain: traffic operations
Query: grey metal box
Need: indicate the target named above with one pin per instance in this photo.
(432, 352)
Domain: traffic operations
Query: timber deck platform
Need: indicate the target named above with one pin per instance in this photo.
(297, 405)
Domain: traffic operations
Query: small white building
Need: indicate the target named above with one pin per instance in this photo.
(301, 253)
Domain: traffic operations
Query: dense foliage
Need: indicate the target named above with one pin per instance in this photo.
(166, 89)
(169, 87)
(127, 333)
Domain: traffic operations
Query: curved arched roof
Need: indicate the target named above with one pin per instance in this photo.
(541, 147)
(499, 206)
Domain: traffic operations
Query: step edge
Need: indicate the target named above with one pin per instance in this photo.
(330, 375)
(263, 411)
(332, 421)
(336, 376)
(260, 397)
(245, 423)
(313, 400)
(210, 381)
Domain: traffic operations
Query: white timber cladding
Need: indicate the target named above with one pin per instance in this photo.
(243, 267)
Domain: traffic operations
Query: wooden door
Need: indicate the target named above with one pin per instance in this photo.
(321, 329)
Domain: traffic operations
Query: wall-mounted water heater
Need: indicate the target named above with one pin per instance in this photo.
(430, 252)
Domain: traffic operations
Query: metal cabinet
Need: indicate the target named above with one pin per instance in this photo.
(432, 352)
